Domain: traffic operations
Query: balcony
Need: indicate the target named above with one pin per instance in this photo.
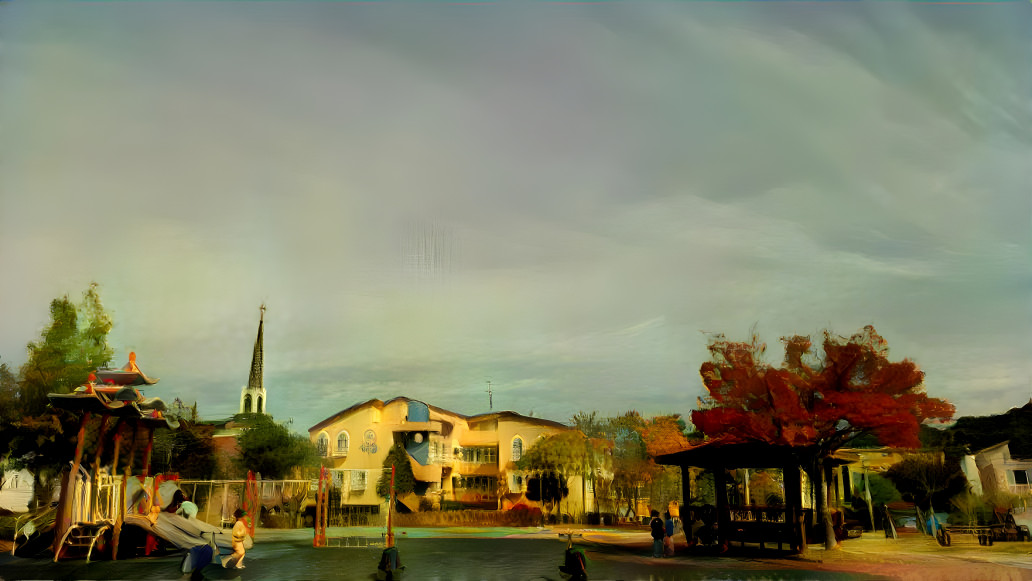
(407, 426)
(477, 469)
(477, 438)
(340, 453)
(428, 473)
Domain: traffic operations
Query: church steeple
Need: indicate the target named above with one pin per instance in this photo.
(252, 397)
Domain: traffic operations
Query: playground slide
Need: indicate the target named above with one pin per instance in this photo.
(182, 532)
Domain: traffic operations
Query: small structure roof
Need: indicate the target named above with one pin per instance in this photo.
(130, 374)
(723, 453)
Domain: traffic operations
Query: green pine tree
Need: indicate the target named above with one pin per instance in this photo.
(404, 480)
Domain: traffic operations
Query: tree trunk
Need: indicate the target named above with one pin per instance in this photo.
(831, 541)
(820, 487)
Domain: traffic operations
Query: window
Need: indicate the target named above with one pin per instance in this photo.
(358, 480)
(478, 455)
(322, 443)
(258, 408)
(1020, 477)
(342, 444)
(517, 449)
(247, 404)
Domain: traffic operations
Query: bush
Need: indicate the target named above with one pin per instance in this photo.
(519, 516)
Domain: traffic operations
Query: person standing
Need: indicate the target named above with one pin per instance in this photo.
(239, 535)
(658, 531)
(668, 537)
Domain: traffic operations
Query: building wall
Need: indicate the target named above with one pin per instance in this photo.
(998, 471)
(469, 459)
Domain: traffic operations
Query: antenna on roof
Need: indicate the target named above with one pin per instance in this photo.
(490, 396)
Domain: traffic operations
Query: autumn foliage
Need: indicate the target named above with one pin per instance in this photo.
(815, 400)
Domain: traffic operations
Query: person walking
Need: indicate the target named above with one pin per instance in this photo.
(239, 535)
(658, 531)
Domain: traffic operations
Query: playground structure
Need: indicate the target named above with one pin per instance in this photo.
(106, 508)
(92, 505)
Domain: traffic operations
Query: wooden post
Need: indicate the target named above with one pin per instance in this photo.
(794, 514)
(147, 451)
(723, 511)
(120, 513)
(63, 521)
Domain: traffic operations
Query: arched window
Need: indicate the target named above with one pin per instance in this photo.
(322, 443)
(258, 408)
(517, 449)
(342, 444)
(247, 404)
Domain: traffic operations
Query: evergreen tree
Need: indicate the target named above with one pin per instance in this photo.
(404, 480)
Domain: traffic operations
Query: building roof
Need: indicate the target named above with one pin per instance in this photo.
(502, 415)
(993, 447)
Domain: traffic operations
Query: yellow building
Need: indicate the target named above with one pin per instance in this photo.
(469, 461)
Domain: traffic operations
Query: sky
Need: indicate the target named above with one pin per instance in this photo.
(565, 200)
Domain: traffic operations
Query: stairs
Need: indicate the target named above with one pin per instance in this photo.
(81, 538)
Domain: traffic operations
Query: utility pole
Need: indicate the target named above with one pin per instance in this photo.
(490, 397)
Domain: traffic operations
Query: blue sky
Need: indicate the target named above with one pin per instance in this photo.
(562, 199)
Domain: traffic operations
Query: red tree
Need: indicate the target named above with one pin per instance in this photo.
(815, 402)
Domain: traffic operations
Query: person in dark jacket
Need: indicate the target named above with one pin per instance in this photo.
(658, 532)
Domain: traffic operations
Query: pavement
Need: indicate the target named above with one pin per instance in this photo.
(912, 557)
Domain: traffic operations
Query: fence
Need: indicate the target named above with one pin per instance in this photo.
(281, 501)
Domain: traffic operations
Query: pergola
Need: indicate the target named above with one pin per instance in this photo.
(752, 523)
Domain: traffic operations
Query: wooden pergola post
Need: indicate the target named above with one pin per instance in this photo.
(147, 451)
(794, 515)
(63, 521)
(120, 513)
(723, 510)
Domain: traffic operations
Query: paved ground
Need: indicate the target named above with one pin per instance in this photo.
(451, 554)
(910, 558)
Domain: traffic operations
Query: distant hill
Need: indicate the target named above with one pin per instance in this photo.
(981, 432)
(973, 433)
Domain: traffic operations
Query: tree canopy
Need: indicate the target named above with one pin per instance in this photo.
(74, 343)
(271, 449)
(72, 346)
(821, 401)
(929, 479)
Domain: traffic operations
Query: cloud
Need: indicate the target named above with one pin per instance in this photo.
(556, 198)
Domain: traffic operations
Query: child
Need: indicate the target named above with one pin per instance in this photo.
(239, 535)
